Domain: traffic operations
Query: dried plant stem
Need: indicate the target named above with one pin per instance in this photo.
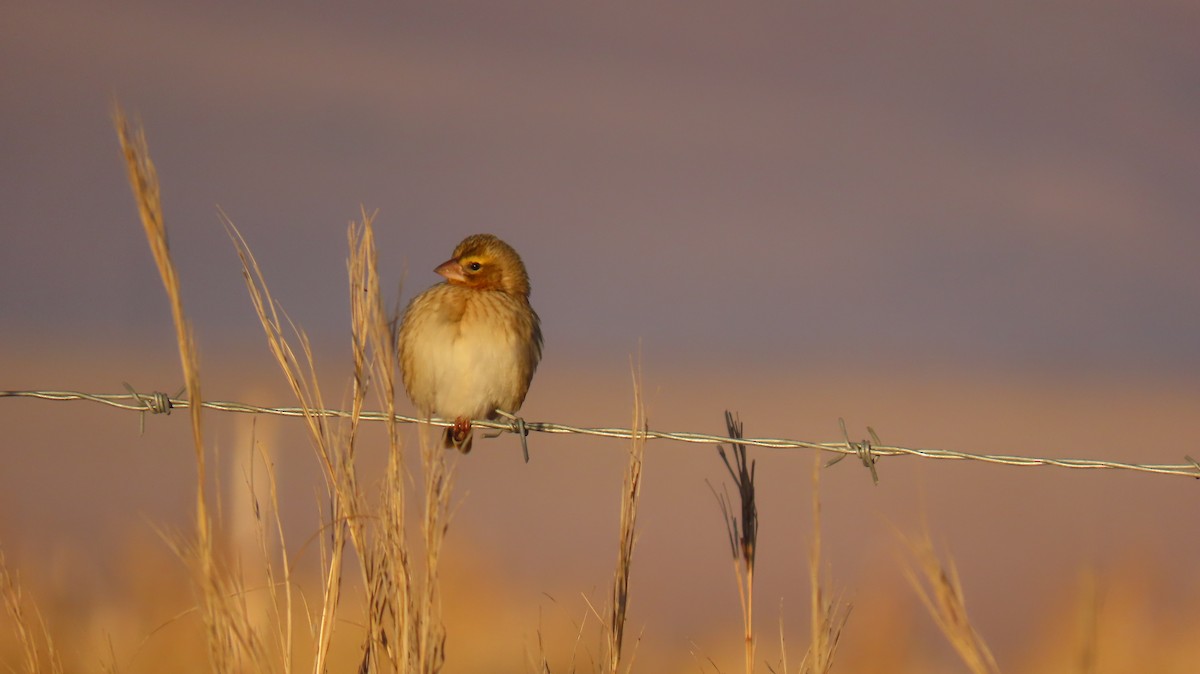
(818, 650)
(143, 179)
(941, 592)
(283, 617)
(404, 628)
(743, 539)
(828, 617)
(404, 610)
(364, 314)
(334, 458)
(745, 589)
(631, 491)
(430, 646)
(221, 620)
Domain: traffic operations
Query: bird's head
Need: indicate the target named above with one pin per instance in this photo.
(484, 262)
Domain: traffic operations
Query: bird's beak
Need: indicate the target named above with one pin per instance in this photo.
(452, 270)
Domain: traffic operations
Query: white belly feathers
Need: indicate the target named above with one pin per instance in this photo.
(469, 366)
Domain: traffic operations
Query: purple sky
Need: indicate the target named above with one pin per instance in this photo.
(973, 187)
(1011, 184)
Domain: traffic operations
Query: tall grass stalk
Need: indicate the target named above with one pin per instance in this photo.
(335, 457)
(941, 592)
(404, 600)
(743, 538)
(228, 631)
(827, 616)
(373, 365)
(631, 491)
(404, 626)
(278, 582)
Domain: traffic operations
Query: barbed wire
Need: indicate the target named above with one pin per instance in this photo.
(868, 451)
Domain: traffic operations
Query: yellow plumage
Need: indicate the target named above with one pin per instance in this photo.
(469, 346)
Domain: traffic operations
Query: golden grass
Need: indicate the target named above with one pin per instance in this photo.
(38, 653)
(379, 602)
(941, 592)
(631, 492)
(224, 622)
(827, 617)
(403, 626)
(403, 623)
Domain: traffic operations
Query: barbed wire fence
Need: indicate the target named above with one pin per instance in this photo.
(867, 451)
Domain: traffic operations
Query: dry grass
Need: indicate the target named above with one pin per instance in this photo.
(743, 536)
(38, 653)
(378, 607)
(940, 590)
(613, 615)
(229, 635)
(404, 631)
(631, 492)
(827, 616)
(403, 624)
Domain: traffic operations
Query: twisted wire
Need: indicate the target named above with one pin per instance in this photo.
(868, 451)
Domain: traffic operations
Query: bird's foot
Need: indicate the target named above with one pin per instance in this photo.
(460, 434)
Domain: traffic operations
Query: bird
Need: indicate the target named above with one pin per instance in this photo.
(469, 345)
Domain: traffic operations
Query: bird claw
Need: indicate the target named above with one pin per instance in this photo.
(460, 434)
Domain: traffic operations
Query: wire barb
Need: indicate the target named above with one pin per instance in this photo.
(154, 403)
(1194, 463)
(864, 450)
(518, 426)
(136, 403)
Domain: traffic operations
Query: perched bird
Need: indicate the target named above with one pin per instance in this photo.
(469, 345)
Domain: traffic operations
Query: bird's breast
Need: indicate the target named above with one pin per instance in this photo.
(468, 354)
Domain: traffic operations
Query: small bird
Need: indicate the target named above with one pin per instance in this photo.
(469, 345)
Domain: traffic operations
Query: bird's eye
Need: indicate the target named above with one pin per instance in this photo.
(474, 266)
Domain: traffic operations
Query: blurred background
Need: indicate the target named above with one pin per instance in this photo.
(969, 227)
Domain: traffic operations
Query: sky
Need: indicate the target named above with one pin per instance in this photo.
(1005, 186)
(973, 226)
